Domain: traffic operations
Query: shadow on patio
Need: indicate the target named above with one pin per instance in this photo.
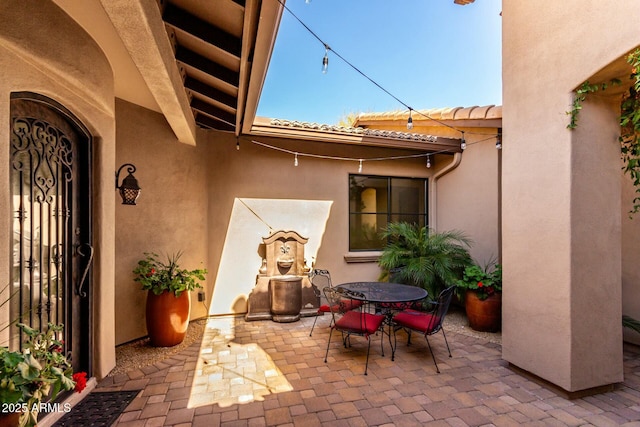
(266, 373)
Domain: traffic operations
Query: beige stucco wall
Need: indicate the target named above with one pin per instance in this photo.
(220, 175)
(43, 51)
(561, 193)
(630, 265)
(262, 173)
(465, 197)
(468, 196)
(203, 182)
(171, 214)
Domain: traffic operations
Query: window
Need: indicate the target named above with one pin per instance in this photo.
(375, 201)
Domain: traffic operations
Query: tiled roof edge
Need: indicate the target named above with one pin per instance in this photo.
(354, 130)
(484, 112)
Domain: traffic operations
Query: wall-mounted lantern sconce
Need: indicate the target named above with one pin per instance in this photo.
(129, 190)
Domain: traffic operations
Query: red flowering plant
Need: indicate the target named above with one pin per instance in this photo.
(36, 373)
(160, 276)
(485, 281)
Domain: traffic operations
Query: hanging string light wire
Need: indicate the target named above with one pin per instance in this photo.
(360, 160)
(328, 48)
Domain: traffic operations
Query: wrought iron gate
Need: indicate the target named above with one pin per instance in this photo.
(52, 252)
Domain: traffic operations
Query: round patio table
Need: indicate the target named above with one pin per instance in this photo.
(384, 292)
(387, 297)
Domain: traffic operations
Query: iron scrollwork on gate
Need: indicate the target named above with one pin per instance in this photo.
(41, 168)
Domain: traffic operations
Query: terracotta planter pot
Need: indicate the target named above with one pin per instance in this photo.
(484, 316)
(10, 419)
(167, 318)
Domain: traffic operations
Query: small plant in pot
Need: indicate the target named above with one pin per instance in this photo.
(481, 288)
(168, 298)
(34, 376)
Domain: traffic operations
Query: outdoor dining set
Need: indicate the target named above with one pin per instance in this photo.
(368, 308)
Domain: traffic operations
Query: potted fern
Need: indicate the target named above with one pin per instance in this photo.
(422, 257)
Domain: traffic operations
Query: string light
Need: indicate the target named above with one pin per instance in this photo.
(325, 64)
(238, 144)
(351, 159)
(410, 120)
(325, 60)
(360, 160)
(499, 140)
(463, 143)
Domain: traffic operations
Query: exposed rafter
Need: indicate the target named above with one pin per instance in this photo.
(214, 46)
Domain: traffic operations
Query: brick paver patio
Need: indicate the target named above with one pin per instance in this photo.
(273, 374)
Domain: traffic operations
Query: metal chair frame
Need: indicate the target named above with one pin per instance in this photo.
(326, 279)
(429, 323)
(325, 276)
(351, 321)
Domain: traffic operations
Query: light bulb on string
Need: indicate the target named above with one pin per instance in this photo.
(238, 144)
(360, 166)
(410, 120)
(295, 160)
(463, 143)
(325, 65)
(499, 141)
(325, 60)
(428, 161)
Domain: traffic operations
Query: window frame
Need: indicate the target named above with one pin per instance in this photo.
(424, 181)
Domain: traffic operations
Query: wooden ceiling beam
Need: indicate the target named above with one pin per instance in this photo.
(211, 123)
(207, 91)
(203, 30)
(207, 66)
(212, 110)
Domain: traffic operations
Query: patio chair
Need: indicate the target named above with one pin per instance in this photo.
(350, 321)
(321, 279)
(427, 323)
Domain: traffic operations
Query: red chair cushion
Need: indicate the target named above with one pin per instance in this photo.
(359, 322)
(417, 320)
(350, 304)
(345, 305)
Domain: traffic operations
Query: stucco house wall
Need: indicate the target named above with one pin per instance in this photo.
(188, 196)
(465, 197)
(209, 180)
(34, 56)
(561, 199)
(630, 251)
(171, 214)
(468, 198)
(256, 172)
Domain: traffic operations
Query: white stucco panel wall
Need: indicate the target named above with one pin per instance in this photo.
(252, 220)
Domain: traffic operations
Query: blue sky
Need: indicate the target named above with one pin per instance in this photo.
(427, 53)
